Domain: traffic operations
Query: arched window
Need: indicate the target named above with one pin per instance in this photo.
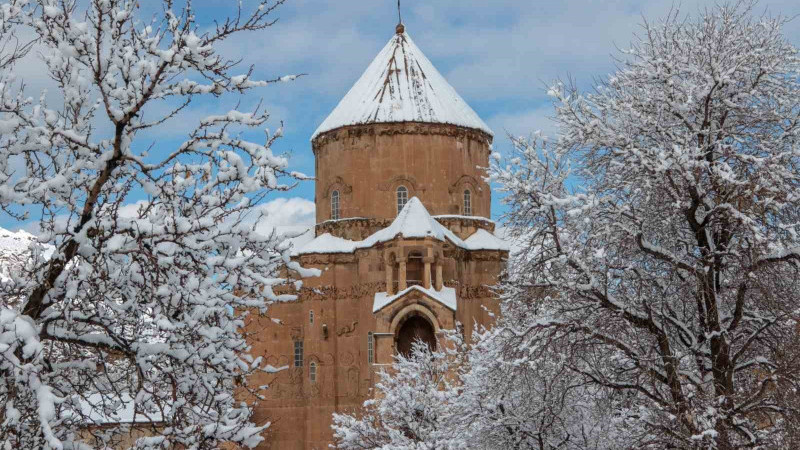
(335, 205)
(467, 203)
(311, 317)
(402, 198)
(370, 347)
(312, 372)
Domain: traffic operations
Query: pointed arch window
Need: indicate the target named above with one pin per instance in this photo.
(467, 203)
(312, 372)
(402, 198)
(335, 205)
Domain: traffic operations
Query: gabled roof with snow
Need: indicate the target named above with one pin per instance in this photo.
(414, 221)
(447, 297)
(402, 85)
(327, 243)
(484, 240)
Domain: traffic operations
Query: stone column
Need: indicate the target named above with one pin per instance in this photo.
(389, 282)
(439, 280)
(426, 273)
(401, 274)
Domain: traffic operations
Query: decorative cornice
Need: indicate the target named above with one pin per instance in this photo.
(397, 128)
(362, 226)
(362, 290)
(466, 221)
(340, 293)
(469, 292)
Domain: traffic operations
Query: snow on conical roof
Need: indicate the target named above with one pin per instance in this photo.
(402, 85)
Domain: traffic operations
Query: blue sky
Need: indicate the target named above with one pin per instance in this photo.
(498, 55)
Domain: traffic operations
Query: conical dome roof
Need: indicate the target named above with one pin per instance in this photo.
(402, 85)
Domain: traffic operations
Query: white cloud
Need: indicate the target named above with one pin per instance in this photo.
(288, 214)
(524, 123)
(490, 51)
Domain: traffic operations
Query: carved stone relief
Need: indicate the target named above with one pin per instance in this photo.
(407, 181)
(346, 293)
(352, 382)
(296, 333)
(347, 359)
(347, 330)
(467, 180)
(338, 183)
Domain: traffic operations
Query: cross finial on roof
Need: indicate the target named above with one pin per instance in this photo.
(400, 29)
(399, 17)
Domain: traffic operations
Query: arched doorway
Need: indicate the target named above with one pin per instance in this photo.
(413, 328)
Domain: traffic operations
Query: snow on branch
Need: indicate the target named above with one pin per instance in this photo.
(139, 307)
(662, 220)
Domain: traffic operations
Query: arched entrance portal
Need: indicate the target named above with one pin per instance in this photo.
(415, 327)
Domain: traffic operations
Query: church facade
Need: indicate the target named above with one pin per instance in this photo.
(403, 241)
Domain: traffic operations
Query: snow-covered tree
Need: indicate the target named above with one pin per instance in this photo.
(516, 396)
(493, 394)
(14, 47)
(413, 406)
(664, 226)
(139, 307)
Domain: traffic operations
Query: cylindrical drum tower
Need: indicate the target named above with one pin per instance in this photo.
(401, 131)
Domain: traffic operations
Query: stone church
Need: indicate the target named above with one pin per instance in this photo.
(403, 240)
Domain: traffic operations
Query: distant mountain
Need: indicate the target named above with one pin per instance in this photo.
(15, 251)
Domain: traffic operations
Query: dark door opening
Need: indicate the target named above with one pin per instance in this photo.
(414, 328)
